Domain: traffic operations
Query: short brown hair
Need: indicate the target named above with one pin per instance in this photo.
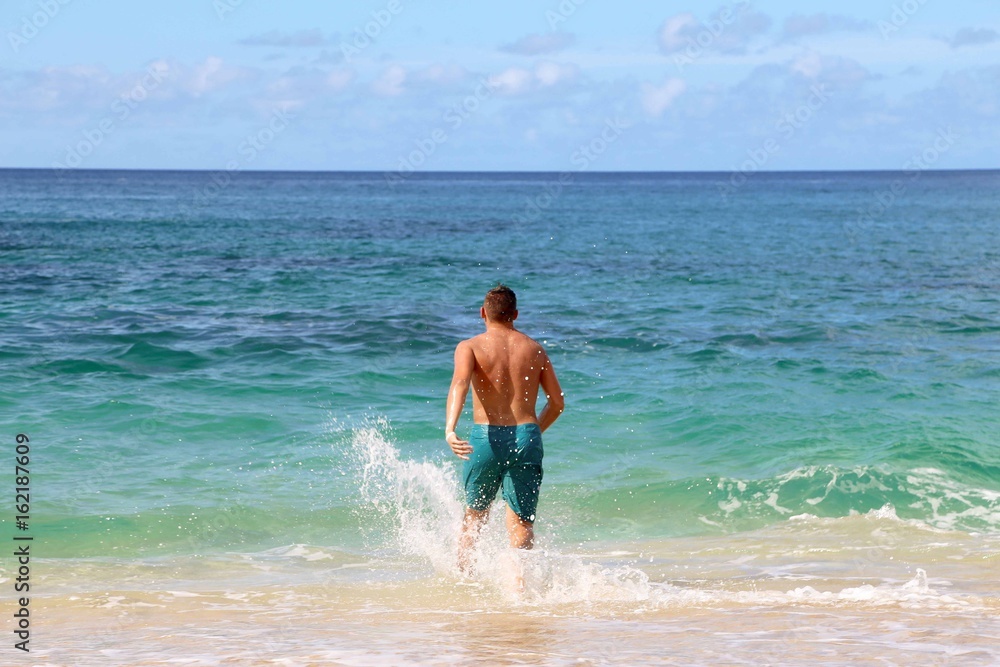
(500, 304)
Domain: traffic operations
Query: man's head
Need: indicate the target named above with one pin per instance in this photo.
(500, 305)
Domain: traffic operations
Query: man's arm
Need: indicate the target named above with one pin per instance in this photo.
(554, 403)
(465, 363)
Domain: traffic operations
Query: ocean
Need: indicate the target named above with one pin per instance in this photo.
(780, 445)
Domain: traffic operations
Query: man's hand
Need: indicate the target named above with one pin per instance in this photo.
(462, 448)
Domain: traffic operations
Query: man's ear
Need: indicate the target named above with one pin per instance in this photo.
(482, 312)
(514, 316)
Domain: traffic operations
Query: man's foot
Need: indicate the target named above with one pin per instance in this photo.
(512, 572)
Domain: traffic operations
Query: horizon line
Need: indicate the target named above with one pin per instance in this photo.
(492, 171)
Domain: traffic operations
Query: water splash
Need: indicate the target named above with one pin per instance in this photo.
(415, 507)
(407, 505)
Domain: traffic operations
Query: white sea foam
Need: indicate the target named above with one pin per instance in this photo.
(303, 551)
(940, 500)
(951, 504)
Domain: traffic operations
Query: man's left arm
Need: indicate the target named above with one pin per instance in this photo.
(465, 364)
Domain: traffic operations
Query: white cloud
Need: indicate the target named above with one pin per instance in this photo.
(390, 82)
(656, 99)
(519, 80)
(551, 74)
(74, 90)
(74, 94)
(299, 87)
(513, 81)
(809, 65)
(678, 32)
(209, 76)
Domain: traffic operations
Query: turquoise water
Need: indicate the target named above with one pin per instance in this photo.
(187, 365)
(780, 442)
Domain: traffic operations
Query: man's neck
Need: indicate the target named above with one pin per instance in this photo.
(499, 326)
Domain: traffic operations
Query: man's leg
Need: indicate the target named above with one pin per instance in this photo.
(522, 536)
(521, 532)
(471, 525)
(521, 484)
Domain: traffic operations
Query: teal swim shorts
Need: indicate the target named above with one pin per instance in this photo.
(508, 456)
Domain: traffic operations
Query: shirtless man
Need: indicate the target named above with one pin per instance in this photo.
(505, 368)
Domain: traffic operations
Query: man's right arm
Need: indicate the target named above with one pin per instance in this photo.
(554, 403)
(465, 364)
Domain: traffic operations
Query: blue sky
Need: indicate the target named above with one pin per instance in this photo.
(523, 85)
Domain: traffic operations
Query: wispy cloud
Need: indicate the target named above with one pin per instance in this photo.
(536, 44)
(276, 38)
(974, 37)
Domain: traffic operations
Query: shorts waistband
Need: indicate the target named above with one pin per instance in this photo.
(512, 427)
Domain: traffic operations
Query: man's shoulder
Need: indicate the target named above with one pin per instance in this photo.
(531, 343)
(470, 344)
(471, 340)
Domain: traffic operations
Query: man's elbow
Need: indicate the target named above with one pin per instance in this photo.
(558, 403)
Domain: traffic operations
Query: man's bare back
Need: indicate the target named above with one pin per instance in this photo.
(508, 368)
